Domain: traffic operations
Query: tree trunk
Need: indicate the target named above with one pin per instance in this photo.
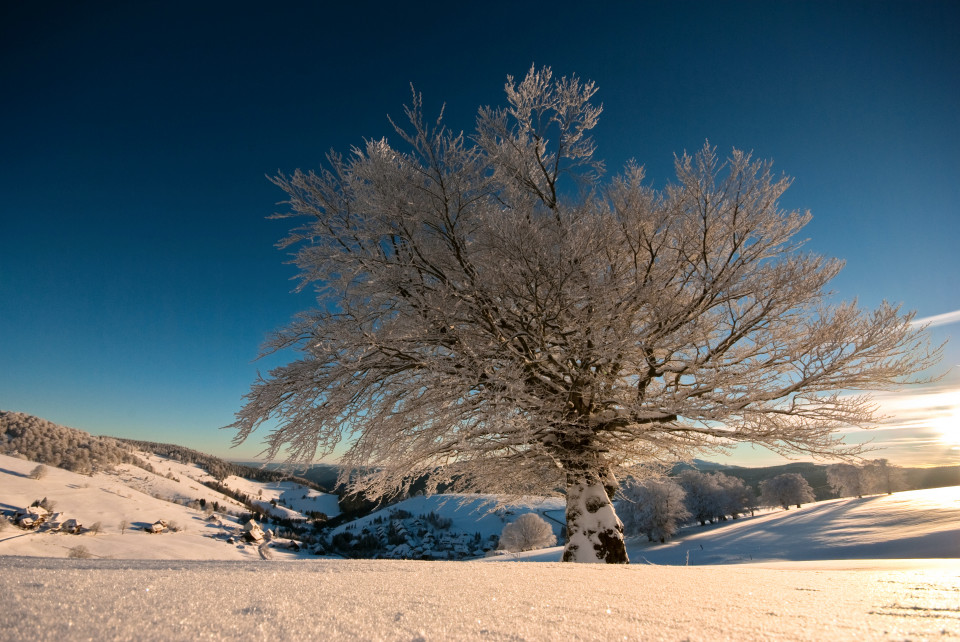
(594, 532)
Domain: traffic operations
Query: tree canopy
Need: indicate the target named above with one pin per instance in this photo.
(496, 313)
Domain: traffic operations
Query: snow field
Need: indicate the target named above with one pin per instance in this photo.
(140, 587)
(469, 513)
(179, 489)
(47, 599)
(110, 498)
(920, 524)
(297, 500)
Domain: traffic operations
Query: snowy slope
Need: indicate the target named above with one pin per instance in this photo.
(178, 488)
(240, 596)
(108, 498)
(469, 513)
(914, 524)
(908, 525)
(293, 500)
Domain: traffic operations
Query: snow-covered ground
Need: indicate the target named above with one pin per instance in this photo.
(827, 574)
(469, 514)
(127, 494)
(52, 599)
(912, 525)
(293, 501)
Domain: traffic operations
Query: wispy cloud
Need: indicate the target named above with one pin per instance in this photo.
(939, 319)
(917, 427)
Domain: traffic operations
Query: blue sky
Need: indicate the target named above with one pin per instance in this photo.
(138, 275)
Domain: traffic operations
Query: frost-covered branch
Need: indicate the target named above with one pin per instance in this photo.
(479, 322)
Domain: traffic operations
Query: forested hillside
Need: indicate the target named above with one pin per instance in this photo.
(29, 437)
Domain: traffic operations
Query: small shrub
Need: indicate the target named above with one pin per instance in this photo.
(96, 528)
(79, 552)
(528, 532)
(124, 525)
(39, 472)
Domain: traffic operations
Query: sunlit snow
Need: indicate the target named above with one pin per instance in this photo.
(826, 575)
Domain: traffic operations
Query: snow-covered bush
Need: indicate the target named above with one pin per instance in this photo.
(79, 552)
(48, 504)
(526, 533)
(786, 489)
(39, 472)
(653, 507)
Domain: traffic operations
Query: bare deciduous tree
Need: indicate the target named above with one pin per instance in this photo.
(39, 472)
(124, 525)
(495, 314)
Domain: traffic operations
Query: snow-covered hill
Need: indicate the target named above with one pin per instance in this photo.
(440, 526)
(914, 524)
(291, 598)
(285, 499)
(127, 499)
(908, 525)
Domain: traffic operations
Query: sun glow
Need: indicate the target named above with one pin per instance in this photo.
(933, 415)
(945, 418)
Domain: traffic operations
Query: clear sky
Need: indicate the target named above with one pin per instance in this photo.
(138, 275)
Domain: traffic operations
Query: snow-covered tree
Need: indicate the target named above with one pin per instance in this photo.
(784, 490)
(526, 533)
(846, 480)
(700, 492)
(736, 498)
(880, 476)
(653, 507)
(715, 496)
(495, 314)
(39, 472)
